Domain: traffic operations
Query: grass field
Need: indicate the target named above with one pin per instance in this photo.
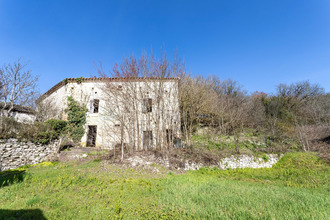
(295, 188)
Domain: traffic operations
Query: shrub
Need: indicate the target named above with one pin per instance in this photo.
(265, 157)
(38, 132)
(9, 128)
(59, 126)
(45, 137)
(300, 160)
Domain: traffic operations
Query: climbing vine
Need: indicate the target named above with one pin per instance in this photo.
(76, 119)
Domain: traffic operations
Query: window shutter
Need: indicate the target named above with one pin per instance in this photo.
(91, 107)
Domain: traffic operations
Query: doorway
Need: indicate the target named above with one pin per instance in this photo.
(147, 139)
(91, 136)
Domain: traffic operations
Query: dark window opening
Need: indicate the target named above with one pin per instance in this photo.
(91, 137)
(147, 105)
(147, 139)
(169, 136)
(94, 107)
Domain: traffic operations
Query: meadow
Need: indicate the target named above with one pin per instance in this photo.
(297, 187)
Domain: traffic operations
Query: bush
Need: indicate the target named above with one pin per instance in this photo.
(45, 137)
(38, 132)
(77, 133)
(265, 157)
(9, 128)
(59, 126)
(300, 160)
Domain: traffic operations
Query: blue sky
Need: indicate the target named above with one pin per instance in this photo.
(257, 43)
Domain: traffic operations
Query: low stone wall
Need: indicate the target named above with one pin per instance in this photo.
(232, 162)
(244, 161)
(239, 161)
(14, 154)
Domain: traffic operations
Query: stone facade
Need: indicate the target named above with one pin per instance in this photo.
(14, 154)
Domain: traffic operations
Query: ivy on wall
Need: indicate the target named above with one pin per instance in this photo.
(76, 119)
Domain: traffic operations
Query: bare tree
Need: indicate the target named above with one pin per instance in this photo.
(230, 105)
(293, 96)
(196, 104)
(256, 116)
(47, 110)
(18, 85)
(1, 87)
(140, 108)
(317, 110)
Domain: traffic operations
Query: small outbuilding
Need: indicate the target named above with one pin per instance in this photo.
(20, 113)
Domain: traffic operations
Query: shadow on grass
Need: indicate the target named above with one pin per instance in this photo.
(35, 214)
(11, 176)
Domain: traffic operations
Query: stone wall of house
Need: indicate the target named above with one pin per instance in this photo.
(14, 154)
(108, 132)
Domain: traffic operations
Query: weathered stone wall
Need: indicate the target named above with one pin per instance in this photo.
(239, 161)
(108, 135)
(233, 162)
(244, 161)
(14, 154)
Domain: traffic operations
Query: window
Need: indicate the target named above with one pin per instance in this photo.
(147, 105)
(94, 108)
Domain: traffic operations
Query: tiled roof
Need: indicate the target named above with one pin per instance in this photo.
(18, 108)
(99, 79)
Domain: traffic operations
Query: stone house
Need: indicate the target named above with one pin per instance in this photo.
(20, 113)
(140, 113)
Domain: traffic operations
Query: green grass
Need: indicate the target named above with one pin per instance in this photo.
(98, 153)
(247, 143)
(296, 188)
(213, 198)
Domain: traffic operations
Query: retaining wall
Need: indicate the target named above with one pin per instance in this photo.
(14, 154)
(239, 161)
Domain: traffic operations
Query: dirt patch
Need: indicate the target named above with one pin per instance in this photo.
(175, 159)
(318, 140)
(322, 148)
